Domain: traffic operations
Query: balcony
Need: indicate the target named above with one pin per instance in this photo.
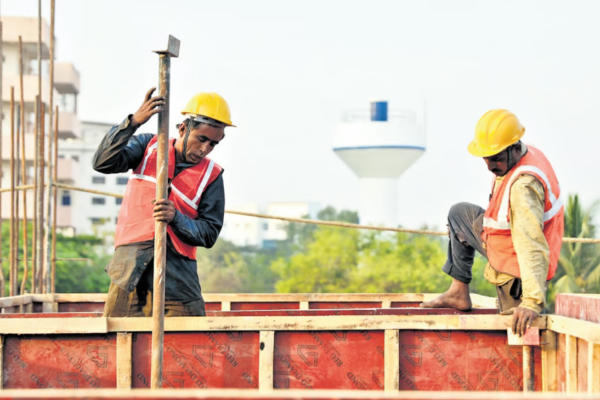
(27, 28)
(69, 126)
(30, 86)
(68, 170)
(66, 78)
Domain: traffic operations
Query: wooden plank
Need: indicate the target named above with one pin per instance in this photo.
(20, 326)
(530, 338)
(549, 349)
(571, 364)
(483, 301)
(352, 322)
(392, 360)
(50, 307)
(528, 369)
(15, 300)
(81, 297)
(124, 366)
(593, 368)
(588, 331)
(386, 304)
(225, 306)
(265, 362)
(304, 305)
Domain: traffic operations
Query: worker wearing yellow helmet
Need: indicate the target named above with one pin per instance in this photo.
(194, 209)
(520, 233)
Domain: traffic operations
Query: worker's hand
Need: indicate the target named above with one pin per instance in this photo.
(522, 319)
(149, 107)
(164, 210)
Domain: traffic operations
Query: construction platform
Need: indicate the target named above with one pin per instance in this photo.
(298, 341)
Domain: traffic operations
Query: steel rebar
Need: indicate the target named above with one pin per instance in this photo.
(2, 280)
(35, 184)
(528, 369)
(49, 189)
(23, 166)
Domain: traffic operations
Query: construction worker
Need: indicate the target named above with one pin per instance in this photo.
(521, 231)
(194, 209)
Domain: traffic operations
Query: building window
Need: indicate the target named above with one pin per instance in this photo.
(76, 158)
(122, 180)
(98, 200)
(118, 201)
(98, 179)
(96, 221)
(66, 198)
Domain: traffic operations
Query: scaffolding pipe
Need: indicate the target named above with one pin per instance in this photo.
(49, 189)
(35, 183)
(160, 229)
(11, 277)
(40, 199)
(23, 166)
(17, 193)
(55, 199)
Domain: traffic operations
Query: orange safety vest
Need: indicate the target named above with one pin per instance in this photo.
(136, 223)
(496, 223)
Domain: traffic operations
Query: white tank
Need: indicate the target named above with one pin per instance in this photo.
(379, 148)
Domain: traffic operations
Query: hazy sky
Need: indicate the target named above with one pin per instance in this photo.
(290, 68)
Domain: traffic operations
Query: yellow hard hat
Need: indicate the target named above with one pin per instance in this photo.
(209, 105)
(495, 131)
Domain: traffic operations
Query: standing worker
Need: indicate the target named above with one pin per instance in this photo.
(521, 231)
(194, 209)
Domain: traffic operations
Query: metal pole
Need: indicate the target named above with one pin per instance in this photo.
(36, 221)
(528, 369)
(40, 199)
(55, 201)
(2, 282)
(160, 236)
(23, 167)
(49, 189)
(12, 277)
(17, 192)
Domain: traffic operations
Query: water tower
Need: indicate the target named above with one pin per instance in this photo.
(379, 147)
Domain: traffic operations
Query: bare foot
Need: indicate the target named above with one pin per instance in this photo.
(457, 296)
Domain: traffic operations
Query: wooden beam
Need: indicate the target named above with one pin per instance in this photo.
(265, 360)
(588, 331)
(386, 304)
(392, 360)
(304, 305)
(33, 326)
(15, 301)
(593, 368)
(49, 307)
(549, 348)
(352, 322)
(571, 364)
(124, 366)
(81, 297)
(225, 306)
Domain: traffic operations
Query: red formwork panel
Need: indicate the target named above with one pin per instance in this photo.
(212, 306)
(59, 361)
(405, 304)
(80, 307)
(200, 360)
(329, 360)
(462, 361)
(561, 358)
(586, 307)
(265, 305)
(319, 305)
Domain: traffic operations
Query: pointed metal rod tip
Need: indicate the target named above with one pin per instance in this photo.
(172, 48)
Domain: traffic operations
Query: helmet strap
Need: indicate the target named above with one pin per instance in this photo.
(188, 129)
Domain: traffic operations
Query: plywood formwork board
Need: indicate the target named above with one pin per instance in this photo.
(582, 366)
(571, 365)
(593, 368)
(580, 306)
(588, 331)
(234, 394)
(561, 363)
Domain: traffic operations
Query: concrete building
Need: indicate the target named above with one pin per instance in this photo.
(65, 91)
(379, 148)
(92, 214)
(249, 231)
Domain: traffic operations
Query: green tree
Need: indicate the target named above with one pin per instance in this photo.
(579, 264)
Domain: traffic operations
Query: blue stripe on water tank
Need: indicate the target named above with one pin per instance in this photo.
(379, 111)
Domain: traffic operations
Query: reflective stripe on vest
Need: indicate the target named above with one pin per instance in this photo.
(502, 222)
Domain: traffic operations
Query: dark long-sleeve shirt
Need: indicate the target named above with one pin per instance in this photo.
(121, 151)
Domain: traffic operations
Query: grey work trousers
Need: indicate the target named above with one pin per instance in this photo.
(465, 225)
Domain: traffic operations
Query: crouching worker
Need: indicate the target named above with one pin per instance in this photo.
(521, 231)
(194, 209)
